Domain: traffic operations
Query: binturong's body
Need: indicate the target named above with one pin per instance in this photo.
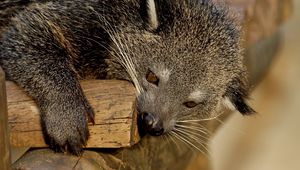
(184, 58)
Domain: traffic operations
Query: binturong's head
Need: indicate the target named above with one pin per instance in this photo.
(187, 64)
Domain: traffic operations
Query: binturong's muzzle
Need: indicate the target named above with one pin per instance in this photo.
(148, 123)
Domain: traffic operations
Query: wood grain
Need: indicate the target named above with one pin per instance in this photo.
(4, 136)
(112, 101)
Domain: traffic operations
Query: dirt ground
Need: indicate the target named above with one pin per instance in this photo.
(269, 140)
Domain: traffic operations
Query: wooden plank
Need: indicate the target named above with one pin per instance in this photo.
(4, 136)
(112, 101)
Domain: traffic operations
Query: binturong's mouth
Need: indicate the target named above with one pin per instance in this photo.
(150, 124)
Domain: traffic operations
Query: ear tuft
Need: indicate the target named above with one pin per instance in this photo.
(240, 104)
(235, 97)
(152, 15)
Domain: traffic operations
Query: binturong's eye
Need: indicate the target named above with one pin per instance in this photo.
(152, 78)
(190, 104)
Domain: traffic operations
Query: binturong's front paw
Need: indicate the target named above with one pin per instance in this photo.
(65, 123)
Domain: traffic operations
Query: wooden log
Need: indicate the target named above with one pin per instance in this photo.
(111, 100)
(4, 136)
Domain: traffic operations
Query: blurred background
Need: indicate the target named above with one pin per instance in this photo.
(269, 140)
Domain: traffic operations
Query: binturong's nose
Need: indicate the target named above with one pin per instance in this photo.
(148, 123)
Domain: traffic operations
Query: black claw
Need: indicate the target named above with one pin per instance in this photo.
(75, 147)
(90, 114)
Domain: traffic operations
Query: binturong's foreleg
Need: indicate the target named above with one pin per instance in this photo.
(34, 53)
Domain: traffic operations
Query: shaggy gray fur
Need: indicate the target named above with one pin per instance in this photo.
(49, 46)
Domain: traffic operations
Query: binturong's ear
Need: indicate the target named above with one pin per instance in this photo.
(149, 14)
(236, 95)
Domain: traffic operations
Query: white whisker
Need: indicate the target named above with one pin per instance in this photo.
(122, 58)
(198, 120)
(182, 140)
(174, 141)
(202, 130)
(193, 124)
(131, 67)
(195, 133)
(187, 132)
(187, 141)
(196, 139)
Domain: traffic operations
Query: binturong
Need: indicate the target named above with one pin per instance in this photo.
(183, 57)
